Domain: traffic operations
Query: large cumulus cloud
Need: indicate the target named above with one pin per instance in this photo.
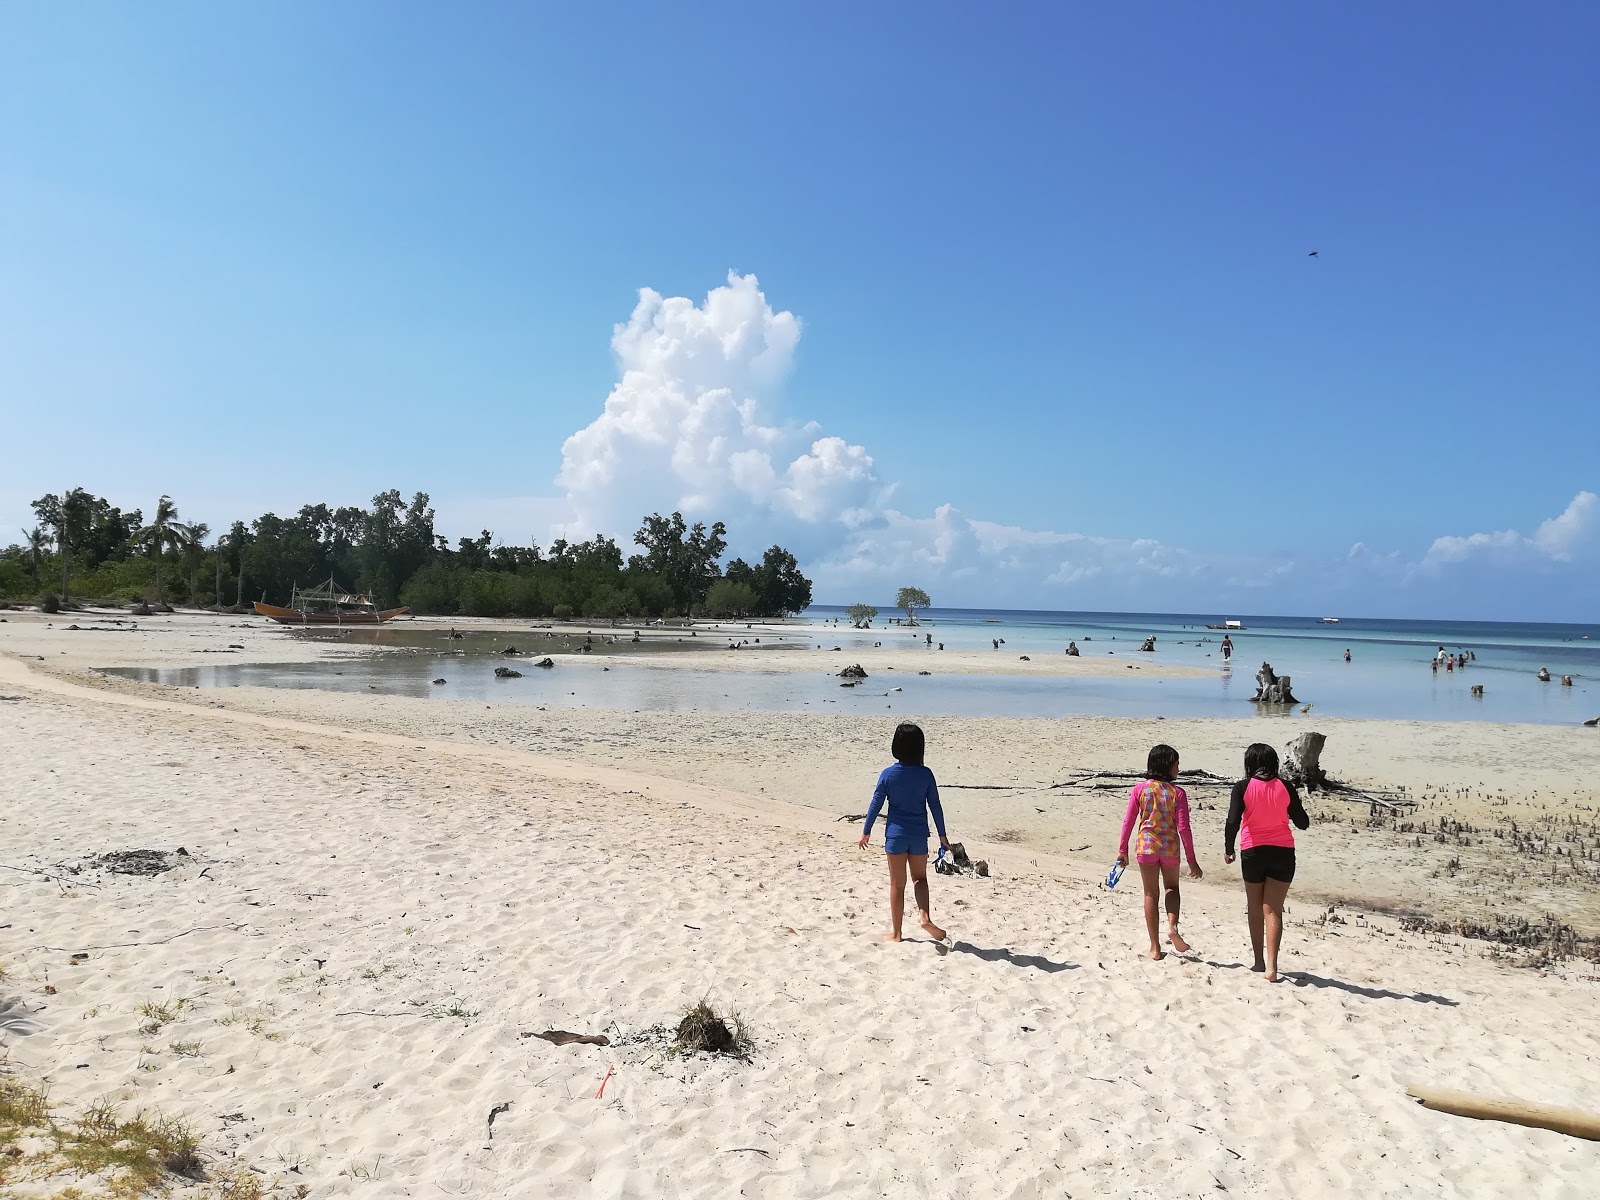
(694, 422)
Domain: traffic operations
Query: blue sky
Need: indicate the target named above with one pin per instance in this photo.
(1048, 268)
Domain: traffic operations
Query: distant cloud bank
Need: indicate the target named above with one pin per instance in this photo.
(693, 423)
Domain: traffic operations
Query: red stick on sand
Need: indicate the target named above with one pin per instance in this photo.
(601, 1091)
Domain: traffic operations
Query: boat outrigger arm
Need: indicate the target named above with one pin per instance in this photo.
(329, 604)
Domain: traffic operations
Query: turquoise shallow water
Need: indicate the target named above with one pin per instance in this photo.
(1388, 676)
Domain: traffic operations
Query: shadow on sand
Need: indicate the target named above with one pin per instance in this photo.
(1301, 979)
(1006, 955)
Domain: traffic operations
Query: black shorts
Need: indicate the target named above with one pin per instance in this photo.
(1261, 863)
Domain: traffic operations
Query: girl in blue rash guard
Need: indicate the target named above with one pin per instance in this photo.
(909, 789)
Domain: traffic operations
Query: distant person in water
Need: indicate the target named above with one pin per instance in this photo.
(1347, 654)
(1227, 647)
(1161, 809)
(1259, 813)
(910, 793)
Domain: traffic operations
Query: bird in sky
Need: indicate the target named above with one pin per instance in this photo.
(1313, 254)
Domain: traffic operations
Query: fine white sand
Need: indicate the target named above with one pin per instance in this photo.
(381, 897)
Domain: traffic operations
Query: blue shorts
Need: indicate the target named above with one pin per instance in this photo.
(905, 841)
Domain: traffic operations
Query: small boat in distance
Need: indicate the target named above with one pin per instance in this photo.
(1231, 626)
(328, 604)
(1330, 620)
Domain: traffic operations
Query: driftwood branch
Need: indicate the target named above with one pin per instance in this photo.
(1570, 1121)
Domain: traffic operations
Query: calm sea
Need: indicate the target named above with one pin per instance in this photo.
(1388, 674)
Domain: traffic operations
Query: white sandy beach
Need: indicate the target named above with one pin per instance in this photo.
(382, 895)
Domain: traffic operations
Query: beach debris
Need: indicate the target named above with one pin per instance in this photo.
(704, 1029)
(600, 1091)
(147, 863)
(1149, 646)
(1544, 674)
(506, 673)
(503, 1106)
(561, 1037)
(547, 663)
(1570, 1121)
(1272, 688)
(959, 862)
(1305, 761)
(854, 671)
(441, 679)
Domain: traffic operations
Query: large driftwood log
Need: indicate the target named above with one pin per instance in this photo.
(1305, 765)
(1272, 688)
(1570, 1121)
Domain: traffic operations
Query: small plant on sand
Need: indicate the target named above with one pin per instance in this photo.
(256, 1021)
(157, 1014)
(185, 1049)
(360, 1170)
(704, 1029)
(455, 1009)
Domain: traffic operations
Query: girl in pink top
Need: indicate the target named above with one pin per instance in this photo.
(1161, 809)
(1259, 816)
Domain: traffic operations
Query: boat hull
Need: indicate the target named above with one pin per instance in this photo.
(291, 616)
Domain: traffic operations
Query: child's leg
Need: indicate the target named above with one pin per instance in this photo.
(1150, 874)
(897, 894)
(1169, 879)
(1276, 892)
(1253, 907)
(919, 886)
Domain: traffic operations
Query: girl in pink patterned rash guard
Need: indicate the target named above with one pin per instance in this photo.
(1161, 809)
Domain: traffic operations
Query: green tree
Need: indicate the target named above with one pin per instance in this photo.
(192, 540)
(163, 533)
(687, 558)
(68, 517)
(781, 589)
(730, 598)
(862, 615)
(911, 599)
(37, 541)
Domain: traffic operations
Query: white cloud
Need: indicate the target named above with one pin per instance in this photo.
(1561, 539)
(693, 423)
(687, 424)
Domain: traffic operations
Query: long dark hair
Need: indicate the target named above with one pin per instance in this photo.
(1162, 763)
(1260, 761)
(909, 744)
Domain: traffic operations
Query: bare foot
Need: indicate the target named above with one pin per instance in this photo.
(1273, 976)
(892, 937)
(1156, 953)
(933, 931)
(1178, 944)
(1259, 967)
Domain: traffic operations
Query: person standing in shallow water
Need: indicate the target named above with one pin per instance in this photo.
(1259, 813)
(910, 792)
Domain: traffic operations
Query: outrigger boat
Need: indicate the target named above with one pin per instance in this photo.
(1230, 626)
(328, 604)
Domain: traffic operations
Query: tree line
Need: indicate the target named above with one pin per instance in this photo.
(390, 550)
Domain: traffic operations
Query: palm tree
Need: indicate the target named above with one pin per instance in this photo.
(162, 532)
(37, 541)
(193, 540)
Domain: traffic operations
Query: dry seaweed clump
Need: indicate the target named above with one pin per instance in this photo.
(705, 1030)
(1547, 941)
(132, 1157)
